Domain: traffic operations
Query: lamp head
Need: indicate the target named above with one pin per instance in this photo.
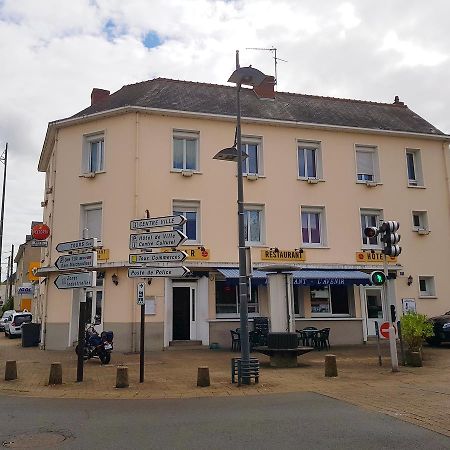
(248, 76)
(229, 154)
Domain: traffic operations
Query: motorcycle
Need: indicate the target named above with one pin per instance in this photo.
(97, 345)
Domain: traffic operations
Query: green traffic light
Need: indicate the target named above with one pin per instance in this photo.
(378, 278)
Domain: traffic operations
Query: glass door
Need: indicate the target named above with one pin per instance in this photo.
(184, 317)
(374, 307)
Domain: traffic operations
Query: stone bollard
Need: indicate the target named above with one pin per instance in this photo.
(203, 377)
(55, 376)
(10, 371)
(330, 366)
(122, 377)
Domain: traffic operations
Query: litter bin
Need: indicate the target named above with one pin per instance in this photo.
(31, 334)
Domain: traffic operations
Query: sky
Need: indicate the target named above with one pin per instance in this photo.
(53, 52)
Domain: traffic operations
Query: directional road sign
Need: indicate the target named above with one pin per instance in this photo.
(36, 243)
(140, 294)
(148, 258)
(82, 244)
(76, 280)
(150, 272)
(157, 239)
(77, 261)
(167, 221)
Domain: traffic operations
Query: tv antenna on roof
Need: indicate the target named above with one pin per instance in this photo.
(275, 58)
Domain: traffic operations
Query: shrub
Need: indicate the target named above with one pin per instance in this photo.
(415, 328)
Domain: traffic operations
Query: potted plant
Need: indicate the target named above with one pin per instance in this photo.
(415, 328)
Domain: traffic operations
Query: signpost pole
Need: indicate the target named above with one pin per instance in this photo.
(377, 332)
(392, 339)
(81, 335)
(142, 354)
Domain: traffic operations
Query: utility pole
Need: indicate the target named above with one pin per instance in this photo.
(12, 271)
(3, 159)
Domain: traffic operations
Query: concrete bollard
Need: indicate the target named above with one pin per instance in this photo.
(203, 377)
(122, 377)
(55, 376)
(10, 371)
(330, 366)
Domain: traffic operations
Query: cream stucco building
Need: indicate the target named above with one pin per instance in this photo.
(319, 170)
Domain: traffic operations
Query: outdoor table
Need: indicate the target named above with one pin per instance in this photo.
(283, 357)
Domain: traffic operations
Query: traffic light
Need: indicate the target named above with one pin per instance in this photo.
(377, 278)
(390, 238)
(371, 232)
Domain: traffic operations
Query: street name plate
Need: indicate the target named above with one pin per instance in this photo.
(37, 243)
(82, 244)
(157, 239)
(77, 261)
(148, 258)
(150, 272)
(76, 280)
(167, 221)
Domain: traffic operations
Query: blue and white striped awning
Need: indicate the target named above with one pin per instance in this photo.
(307, 277)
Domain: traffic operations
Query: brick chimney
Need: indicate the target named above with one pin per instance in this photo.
(98, 95)
(397, 101)
(266, 89)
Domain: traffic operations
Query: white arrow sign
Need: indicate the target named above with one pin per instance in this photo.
(140, 292)
(147, 258)
(76, 280)
(157, 239)
(82, 244)
(150, 272)
(77, 261)
(167, 221)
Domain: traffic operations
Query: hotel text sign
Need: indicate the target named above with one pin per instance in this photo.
(376, 257)
(282, 255)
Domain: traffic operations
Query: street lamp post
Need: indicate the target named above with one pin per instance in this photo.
(4, 160)
(252, 77)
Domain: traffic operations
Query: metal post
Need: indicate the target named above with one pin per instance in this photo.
(392, 339)
(11, 272)
(7, 279)
(377, 332)
(4, 160)
(81, 335)
(243, 288)
(142, 354)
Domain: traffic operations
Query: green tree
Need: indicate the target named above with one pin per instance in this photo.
(415, 328)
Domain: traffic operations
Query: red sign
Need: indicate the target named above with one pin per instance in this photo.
(40, 231)
(384, 330)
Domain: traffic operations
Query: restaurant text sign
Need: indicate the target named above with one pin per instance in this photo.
(375, 257)
(282, 255)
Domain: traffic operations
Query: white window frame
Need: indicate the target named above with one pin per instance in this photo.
(189, 206)
(373, 150)
(417, 163)
(255, 305)
(378, 213)
(253, 140)
(84, 208)
(260, 208)
(430, 285)
(88, 140)
(184, 136)
(322, 225)
(310, 145)
(423, 221)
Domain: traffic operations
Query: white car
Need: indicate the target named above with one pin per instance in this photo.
(13, 325)
(6, 314)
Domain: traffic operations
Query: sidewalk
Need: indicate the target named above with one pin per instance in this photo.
(417, 395)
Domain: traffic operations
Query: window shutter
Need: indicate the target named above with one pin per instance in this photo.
(94, 223)
(364, 162)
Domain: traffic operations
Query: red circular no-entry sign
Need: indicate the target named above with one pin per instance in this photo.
(40, 231)
(384, 330)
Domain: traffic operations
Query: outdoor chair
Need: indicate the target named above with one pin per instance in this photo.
(235, 341)
(307, 336)
(322, 339)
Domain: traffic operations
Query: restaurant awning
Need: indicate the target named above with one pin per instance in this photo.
(307, 277)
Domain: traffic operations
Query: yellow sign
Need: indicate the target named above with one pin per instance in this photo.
(103, 254)
(283, 255)
(375, 257)
(25, 303)
(196, 254)
(31, 266)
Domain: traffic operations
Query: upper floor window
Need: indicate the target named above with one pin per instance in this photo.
(309, 157)
(370, 218)
(253, 164)
(414, 167)
(91, 221)
(253, 224)
(185, 150)
(94, 153)
(426, 286)
(367, 164)
(313, 226)
(191, 228)
(420, 220)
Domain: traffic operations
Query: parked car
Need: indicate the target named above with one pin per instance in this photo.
(5, 315)
(13, 325)
(441, 326)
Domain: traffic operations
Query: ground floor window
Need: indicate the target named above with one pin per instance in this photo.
(227, 299)
(330, 300)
